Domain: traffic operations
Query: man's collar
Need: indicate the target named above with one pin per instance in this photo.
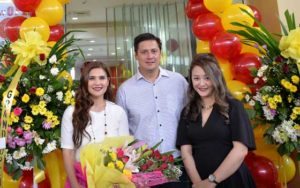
(162, 72)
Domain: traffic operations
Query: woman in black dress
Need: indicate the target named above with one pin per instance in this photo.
(214, 133)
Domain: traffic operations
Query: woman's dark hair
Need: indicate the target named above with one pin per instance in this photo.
(211, 68)
(143, 37)
(83, 101)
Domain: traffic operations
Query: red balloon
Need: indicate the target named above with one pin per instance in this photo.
(256, 13)
(242, 65)
(263, 171)
(225, 45)
(2, 25)
(12, 27)
(196, 1)
(26, 179)
(56, 32)
(172, 45)
(193, 10)
(26, 5)
(206, 26)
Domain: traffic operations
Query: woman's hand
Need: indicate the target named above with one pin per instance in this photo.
(204, 184)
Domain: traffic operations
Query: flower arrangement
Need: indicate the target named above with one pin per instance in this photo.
(277, 103)
(42, 93)
(141, 165)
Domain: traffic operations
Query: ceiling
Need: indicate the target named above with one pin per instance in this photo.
(90, 16)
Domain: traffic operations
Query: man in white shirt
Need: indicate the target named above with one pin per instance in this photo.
(153, 98)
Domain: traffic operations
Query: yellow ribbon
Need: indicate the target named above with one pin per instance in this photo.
(39, 175)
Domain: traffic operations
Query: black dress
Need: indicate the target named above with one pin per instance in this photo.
(212, 143)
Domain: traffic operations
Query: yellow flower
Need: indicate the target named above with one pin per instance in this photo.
(14, 118)
(272, 105)
(25, 98)
(293, 89)
(14, 102)
(42, 104)
(113, 156)
(30, 47)
(35, 110)
(295, 79)
(265, 98)
(289, 45)
(39, 91)
(111, 165)
(127, 173)
(293, 116)
(119, 164)
(26, 126)
(296, 110)
(28, 119)
(277, 98)
(43, 111)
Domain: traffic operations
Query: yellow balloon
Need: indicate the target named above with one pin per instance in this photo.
(51, 11)
(217, 6)
(249, 49)
(35, 24)
(64, 1)
(286, 169)
(226, 69)
(9, 182)
(237, 89)
(202, 46)
(235, 14)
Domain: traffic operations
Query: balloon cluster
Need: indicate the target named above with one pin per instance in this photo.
(43, 16)
(210, 21)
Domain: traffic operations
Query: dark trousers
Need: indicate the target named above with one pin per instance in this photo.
(183, 183)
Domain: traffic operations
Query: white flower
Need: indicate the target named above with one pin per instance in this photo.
(38, 140)
(59, 95)
(27, 166)
(19, 154)
(247, 97)
(47, 97)
(261, 70)
(264, 78)
(50, 89)
(50, 147)
(53, 59)
(9, 158)
(42, 77)
(54, 71)
(268, 113)
(255, 80)
(284, 132)
(252, 102)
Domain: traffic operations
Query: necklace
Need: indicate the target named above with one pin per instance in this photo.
(105, 126)
(207, 107)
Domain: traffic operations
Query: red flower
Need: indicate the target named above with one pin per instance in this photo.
(163, 166)
(2, 78)
(144, 167)
(24, 68)
(149, 163)
(32, 90)
(171, 159)
(164, 158)
(42, 57)
(156, 154)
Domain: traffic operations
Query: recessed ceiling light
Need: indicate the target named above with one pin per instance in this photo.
(90, 49)
(113, 53)
(94, 59)
(74, 18)
(88, 54)
(118, 48)
(92, 41)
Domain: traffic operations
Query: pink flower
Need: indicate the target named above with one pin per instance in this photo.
(19, 131)
(120, 153)
(46, 125)
(18, 111)
(20, 141)
(27, 135)
(8, 129)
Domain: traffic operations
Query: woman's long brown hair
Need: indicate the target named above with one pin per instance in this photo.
(83, 101)
(210, 66)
